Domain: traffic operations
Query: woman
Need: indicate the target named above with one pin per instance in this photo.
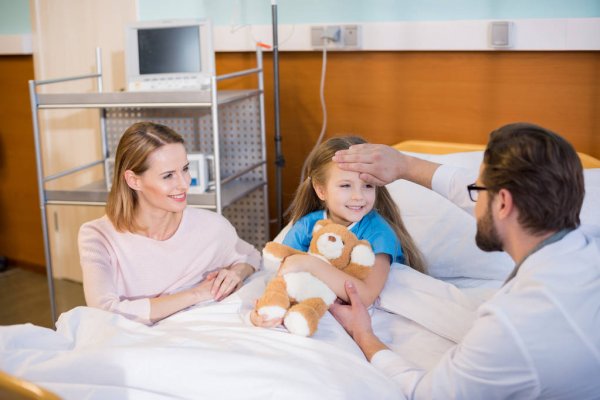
(151, 255)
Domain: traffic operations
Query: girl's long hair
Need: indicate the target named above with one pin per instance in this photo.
(137, 143)
(306, 200)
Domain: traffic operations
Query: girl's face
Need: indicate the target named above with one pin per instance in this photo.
(347, 197)
(164, 185)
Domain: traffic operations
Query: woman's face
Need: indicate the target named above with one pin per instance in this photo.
(346, 196)
(164, 185)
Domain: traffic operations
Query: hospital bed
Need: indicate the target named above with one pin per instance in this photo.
(210, 351)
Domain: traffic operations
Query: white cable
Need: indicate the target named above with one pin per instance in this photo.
(323, 107)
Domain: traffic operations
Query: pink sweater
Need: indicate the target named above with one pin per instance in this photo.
(122, 270)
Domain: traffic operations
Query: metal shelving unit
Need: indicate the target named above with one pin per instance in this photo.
(227, 124)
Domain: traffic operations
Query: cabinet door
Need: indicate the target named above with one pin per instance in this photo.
(65, 35)
(63, 227)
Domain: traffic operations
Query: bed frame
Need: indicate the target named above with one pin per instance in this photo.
(434, 147)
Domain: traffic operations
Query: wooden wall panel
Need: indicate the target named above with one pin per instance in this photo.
(387, 97)
(384, 96)
(20, 218)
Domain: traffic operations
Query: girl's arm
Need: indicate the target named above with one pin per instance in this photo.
(368, 289)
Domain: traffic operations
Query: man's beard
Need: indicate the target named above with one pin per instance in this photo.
(487, 238)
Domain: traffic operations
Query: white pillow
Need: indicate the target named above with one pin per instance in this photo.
(445, 234)
(590, 211)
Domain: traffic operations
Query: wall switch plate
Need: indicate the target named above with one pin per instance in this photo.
(501, 34)
(351, 36)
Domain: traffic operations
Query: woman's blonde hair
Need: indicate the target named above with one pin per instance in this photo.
(306, 199)
(137, 143)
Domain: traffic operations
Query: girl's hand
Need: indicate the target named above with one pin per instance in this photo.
(296, 263)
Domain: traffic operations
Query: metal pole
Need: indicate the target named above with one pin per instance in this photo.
(99, 68)
(102, 112)
(261, 100)
(42, 195)
(214, 109)
(279, 160)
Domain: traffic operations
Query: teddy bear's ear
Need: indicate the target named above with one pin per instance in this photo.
(320, 224)
(362, 254)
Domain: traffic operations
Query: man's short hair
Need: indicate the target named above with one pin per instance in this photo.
(542, 172)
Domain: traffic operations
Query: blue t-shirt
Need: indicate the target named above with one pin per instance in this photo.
(372, 228)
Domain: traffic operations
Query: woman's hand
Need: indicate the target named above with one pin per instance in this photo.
(227, 280)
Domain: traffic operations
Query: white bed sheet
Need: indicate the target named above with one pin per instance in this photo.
(210, 352)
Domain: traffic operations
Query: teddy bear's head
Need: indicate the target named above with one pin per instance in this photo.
(339, 246)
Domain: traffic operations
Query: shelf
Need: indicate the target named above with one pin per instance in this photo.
(140, 99)
(231, 125)
(95, 193)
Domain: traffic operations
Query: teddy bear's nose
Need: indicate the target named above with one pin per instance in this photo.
(332, 238)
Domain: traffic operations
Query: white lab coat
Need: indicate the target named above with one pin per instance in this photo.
(537, 337)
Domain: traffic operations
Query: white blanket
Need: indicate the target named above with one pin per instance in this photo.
(210, 352)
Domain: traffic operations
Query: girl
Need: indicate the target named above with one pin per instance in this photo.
(368, 211)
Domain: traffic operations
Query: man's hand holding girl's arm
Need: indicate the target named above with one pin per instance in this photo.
(355, 318)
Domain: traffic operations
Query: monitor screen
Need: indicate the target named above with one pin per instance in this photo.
(169, 55)
(169, 50)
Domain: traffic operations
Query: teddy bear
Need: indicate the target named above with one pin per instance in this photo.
(299, 297)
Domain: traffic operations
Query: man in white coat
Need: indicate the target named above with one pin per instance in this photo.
(539, 335)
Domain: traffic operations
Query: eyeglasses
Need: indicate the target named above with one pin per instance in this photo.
(474, 190)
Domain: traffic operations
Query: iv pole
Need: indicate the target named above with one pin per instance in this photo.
(279, 160)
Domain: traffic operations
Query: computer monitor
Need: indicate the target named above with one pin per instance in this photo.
(169, 55)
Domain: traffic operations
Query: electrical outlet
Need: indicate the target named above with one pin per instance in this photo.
(332, 34)
(335, 37)
(316, 36)
(325, 35)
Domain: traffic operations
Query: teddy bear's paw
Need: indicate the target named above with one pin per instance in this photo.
(271, 312)
(271, 257)
(296, 323)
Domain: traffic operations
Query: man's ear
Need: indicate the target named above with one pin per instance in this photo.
(133, 181)
(504, 203)
(319, 190)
